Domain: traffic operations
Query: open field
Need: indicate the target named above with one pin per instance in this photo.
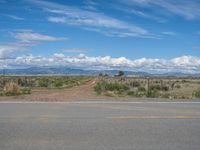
(68, 88)
(99, 125)
(154, 87)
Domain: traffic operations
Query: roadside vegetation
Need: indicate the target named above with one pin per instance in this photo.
(116, 86)
(154, 87)
(17, 85)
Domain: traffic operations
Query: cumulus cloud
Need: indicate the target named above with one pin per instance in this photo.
(7, 49)
(187, 64)
(24, 40)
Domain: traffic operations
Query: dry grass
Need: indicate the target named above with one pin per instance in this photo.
(155, 87)
(11, 89)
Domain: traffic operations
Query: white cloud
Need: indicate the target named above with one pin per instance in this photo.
(187, 9)
(59, 55)
(28, 36)
(7, 49)
(138, 12)
(91, 20)
(13, 17)
(25, 40)
(169, 33)
(187, 64)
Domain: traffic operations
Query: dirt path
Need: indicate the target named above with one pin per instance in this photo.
(81, 92)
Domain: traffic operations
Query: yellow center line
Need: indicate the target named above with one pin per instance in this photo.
(154, 117)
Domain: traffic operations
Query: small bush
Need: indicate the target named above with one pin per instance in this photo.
(116, 87)
(131, 93)
(100, 87)
(58, 83)
(135, 84)
(197, 94)
(11, 89)
(141, 89)
(152, 93)
(104, 86)
(26, 91)
(165, 88)
(155, 87)
(43, 83)
(178, 86)
(121, 73)
(165, 95)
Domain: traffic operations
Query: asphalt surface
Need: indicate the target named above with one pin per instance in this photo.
(100, 126)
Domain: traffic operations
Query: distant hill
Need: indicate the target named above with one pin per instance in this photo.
(71, 71)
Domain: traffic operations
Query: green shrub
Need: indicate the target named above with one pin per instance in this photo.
(43, 83)
(104, 86)
(141, 89)
(178, 86)
(99, 87)
(116, 86)
(26, 91)
(121, 73)
(165, 95)
(155, 87)
(152, 93)
(197, 94)
(58, 83)
(165, 88)
(135, 84)
(140, 94)
(131, 93)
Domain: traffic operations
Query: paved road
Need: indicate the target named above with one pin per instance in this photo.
(99, 126)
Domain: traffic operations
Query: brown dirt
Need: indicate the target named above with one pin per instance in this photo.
(81, 92)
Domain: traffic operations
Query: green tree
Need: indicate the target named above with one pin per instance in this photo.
(121, 73)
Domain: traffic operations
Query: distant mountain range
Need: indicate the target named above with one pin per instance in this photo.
(70, 71)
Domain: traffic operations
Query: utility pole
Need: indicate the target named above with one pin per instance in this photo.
(147, 85)
(3, 70)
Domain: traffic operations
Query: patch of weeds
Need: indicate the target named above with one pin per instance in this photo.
(152, 93)
(26, 91)
(11, 89)
(197, 94)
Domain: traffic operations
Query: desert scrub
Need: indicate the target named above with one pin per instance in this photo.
(152, 93)
(58, 83)
(43, 82)
(11, 89)
(197, 94)
(104, 86)
(135, 84)
(26, 91)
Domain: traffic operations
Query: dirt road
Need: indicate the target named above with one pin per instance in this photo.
(85, 91)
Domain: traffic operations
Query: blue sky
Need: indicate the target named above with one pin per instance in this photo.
(124, 33)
